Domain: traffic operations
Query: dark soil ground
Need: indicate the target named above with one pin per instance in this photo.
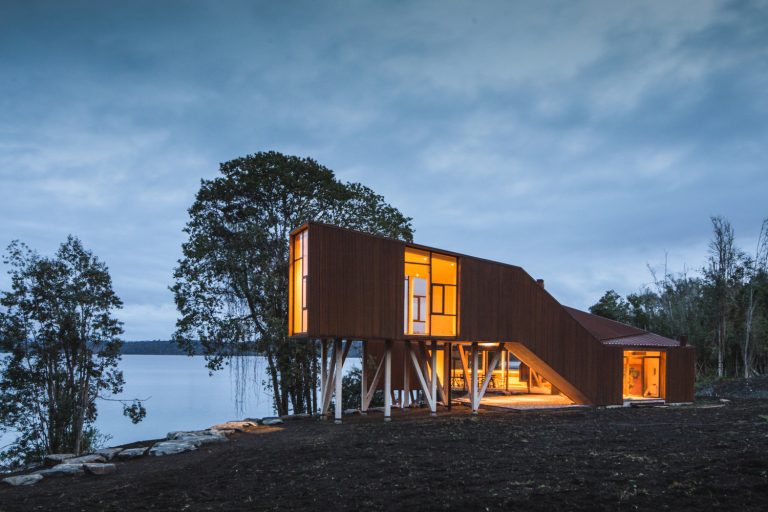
(706, 456)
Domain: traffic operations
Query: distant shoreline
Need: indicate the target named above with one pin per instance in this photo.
(170, 348)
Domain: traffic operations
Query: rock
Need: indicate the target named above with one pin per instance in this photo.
(54, 459)
(131, 453)
(271, 421)
(299, 416)
(234, 426)
(99, 469)
(93, 457)
(349, 412)
(62, 470)
(109, 453)
(198, 437)
(23, 479)
(185, 433)
(171, 448)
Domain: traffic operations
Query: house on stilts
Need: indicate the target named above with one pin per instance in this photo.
(449, 325)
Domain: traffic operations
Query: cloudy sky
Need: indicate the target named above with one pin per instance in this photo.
(581, 140)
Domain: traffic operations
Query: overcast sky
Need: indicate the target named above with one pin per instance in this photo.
(580, 140)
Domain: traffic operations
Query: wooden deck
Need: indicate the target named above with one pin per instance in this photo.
(524, 402)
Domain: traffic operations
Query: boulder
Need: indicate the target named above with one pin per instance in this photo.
(93, 457)
(234, 426)
(171, 448)
(198, 437)
(54, 459)
(99, 469)
(131, 453)
(62, 470)
(349, 412)
(23, 479)
(271, 421)
(109, 453)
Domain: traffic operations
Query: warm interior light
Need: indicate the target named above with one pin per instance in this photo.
(643, 375)
(430, 293)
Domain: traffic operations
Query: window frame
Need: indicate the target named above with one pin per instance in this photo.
(407, 317)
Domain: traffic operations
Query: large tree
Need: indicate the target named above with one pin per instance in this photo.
(63, 346)
(231, 286)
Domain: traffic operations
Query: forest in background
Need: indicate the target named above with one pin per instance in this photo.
(721, 308)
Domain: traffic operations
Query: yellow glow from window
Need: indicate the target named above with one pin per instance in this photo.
(299, 273)
(643, 374)
(443, 269)
(430, 288)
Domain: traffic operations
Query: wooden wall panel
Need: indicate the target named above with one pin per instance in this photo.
(355, 285)
(681, 374)
(503, 303)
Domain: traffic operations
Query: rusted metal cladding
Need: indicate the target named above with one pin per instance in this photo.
(681, 374)
(355, 285)
(355, 291)
(503, 303)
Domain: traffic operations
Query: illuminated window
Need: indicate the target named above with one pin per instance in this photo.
(430, 293)
(642, 374)
(299, 272)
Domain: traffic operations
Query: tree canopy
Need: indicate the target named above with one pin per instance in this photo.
(63, 346)
(231, 285)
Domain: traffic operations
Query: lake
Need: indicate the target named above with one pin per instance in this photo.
(182, 396)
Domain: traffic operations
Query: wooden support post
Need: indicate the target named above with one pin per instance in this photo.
(327, 387)
(505, 362)
(465, 368)
(388, 380)
(374, 384)
(425, 364)
(489, 369)
(448, 373)
(406, 402)
(323, 373)
(417, 368)
(339, 374)
(473, 393)
(364, 380)
(433, 379)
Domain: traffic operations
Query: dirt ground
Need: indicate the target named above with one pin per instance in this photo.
(701, 457)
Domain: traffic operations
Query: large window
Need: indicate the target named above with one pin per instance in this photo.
(430, 293)
(643, 374)
(299, 272)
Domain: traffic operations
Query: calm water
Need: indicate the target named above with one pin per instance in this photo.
(182, 396)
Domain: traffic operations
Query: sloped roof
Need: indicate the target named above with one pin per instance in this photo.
(647, 339)
(611, 332)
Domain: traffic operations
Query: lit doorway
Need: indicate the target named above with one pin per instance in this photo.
(643, 374)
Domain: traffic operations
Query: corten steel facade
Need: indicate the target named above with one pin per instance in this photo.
(348, 285)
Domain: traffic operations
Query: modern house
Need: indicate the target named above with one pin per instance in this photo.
(436, 321)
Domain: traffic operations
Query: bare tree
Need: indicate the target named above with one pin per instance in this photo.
(723, 258)
(754, 268)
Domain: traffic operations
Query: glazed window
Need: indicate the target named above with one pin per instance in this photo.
(299, 273)
(643, 374)
(430, 293)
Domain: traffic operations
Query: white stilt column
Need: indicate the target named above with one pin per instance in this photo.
(406, 402)
(364, 381)
(339, 375)
(323, 373)
(433, 379)
(475, 400)
(388, 380)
